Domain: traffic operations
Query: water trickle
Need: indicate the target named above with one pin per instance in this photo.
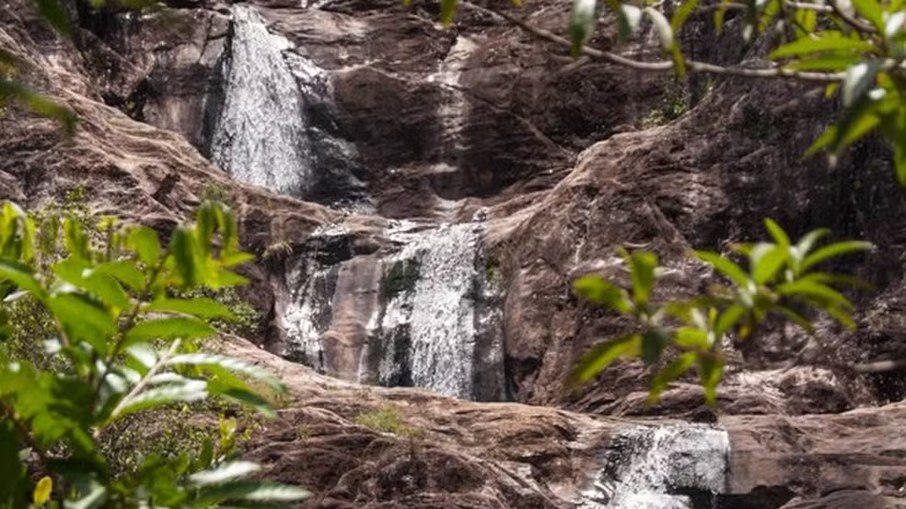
(258, 135)
(652, 468)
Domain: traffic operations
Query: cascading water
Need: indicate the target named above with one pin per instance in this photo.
(424, 314)
(258, 135)
(667, 467)
(436, 307)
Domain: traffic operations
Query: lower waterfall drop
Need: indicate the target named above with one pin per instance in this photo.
(432, 290)
(681, 466)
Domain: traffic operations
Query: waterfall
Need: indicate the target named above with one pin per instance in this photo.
(432, 294)
(664, 467)
(424, 312)
(258, 135)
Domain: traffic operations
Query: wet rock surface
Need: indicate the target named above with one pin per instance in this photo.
(483, 124)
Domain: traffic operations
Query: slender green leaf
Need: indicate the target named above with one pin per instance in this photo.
(83, 319)
(581, 24)
(223, 473)
(227, 363)
(711, 371)
(808, 46)
(200, 307)
(663, 29)
(642, 275)
(859, 78)
(767, 262)
(195, 390)
(872, 11)
(596, 289)
(671, 372)
(55, 13)
(168, 328)
(124, 271)
(776, 232)
(725, 266)
(604, 354)
(447, 11)
(144, 242)
(834, 250)
(807, 288)
(682, 13)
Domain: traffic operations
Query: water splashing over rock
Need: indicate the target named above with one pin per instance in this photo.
(258, 134)
(426, 314)
(665, 467)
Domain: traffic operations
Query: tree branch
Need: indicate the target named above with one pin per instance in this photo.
(660, 65)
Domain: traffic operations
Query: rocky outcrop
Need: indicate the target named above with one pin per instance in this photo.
(417, 134)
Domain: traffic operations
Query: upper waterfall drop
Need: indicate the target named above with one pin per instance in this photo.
(258, 135)
(661, 467)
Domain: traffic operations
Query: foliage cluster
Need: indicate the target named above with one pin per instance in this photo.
(119, 345)
(781, 279)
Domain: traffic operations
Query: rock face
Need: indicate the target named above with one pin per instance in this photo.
(420, 200)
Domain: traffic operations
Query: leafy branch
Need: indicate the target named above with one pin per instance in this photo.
(122, 345)
(780, 280)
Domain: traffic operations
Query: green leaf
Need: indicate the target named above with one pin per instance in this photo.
(223, 473)
(826, 138)
(767, 259)
(193, 390)
(242, 396)
(200, 307)
(711, 371)
(808, 288)
(682, 13)
(182, 248)
(796, 318)
(671, 372)
(42, 491)
(205, 360)
(581, 24)
(776, 232)
(810, 45)
(691, 338)
(629, 17)
(447, 11)
(872, 11)
(642, 275)
(54, 13)
(725, 266)
(663, 29)
(83, 319)
(21, 275)
(168, 328)
(807, 242)
(859, 78)
(125, 272)
(728, 319)
(38, 104)
(144, 242)
(829, 63)
(604, 354)
(596, 289)
(835, 250)
(653, 343)
(250, 490)
(899, 161)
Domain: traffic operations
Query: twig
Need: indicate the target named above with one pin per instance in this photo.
(660, 65)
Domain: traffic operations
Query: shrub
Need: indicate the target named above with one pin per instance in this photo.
(116, 347)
